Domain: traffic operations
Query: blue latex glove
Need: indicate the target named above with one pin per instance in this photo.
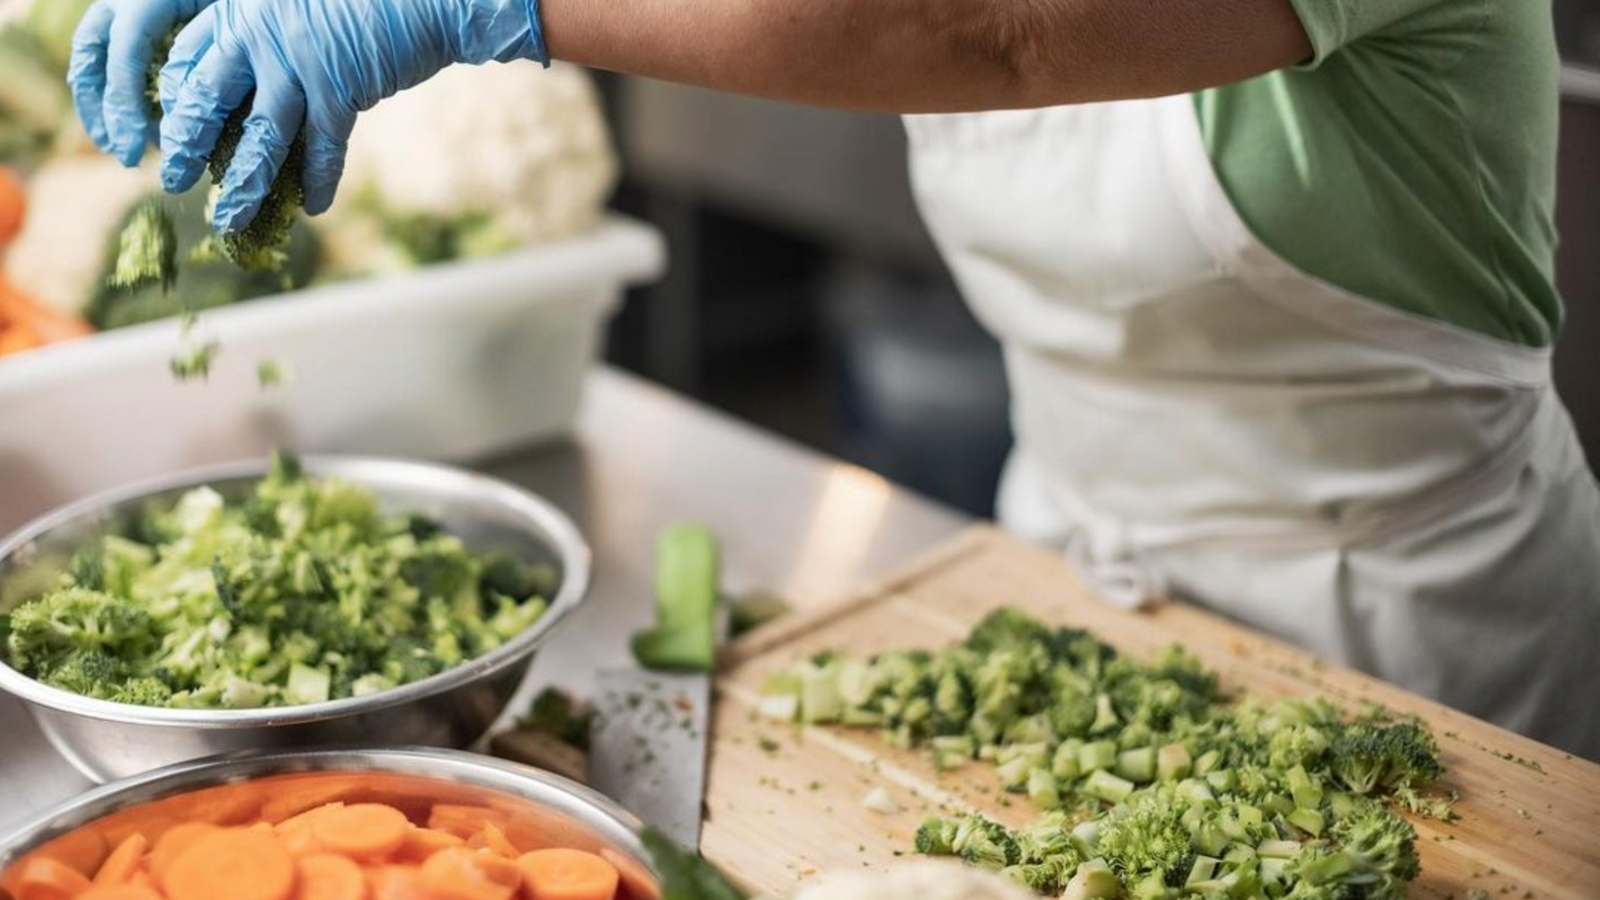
(315, 63)
(109, 70)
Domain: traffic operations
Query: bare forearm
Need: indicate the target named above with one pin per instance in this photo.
(931, 55)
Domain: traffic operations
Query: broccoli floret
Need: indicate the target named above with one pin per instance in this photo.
(91, 673)
(985, 843)
(46, 631)
(147, 250)
(146, 691)
(195, 354)
(1007, 629)
(1371, 757)
(1147, 837)
(936, 837)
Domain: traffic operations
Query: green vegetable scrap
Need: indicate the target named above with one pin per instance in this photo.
(273, 373)
(147, 251)
(687, 579)
(557, 714)
(1153, 785)
(295, 592)
(685, 875)
(195, 353)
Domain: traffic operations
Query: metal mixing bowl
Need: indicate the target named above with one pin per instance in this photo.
(113, 740)
(230, 790)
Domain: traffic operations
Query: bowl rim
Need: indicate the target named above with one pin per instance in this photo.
(588, 806)
(570, 547)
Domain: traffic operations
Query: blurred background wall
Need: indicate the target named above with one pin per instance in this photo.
(806, 295)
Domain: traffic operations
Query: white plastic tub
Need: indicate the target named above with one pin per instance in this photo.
(449, 363)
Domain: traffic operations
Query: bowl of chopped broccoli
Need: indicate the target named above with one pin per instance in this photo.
(280, 603)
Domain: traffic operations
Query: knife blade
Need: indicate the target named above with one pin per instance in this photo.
(648, 747)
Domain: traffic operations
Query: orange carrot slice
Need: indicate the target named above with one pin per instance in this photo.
(174, 841)
(565, 874)
(325, 876)
(463, 874)
(493, 839)
(43, 878)
(232, 863)
(465, 821)
(364, 830)
(123, 861)
(421, 843)
(119, 892)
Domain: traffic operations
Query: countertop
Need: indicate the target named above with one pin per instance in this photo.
(792, 522)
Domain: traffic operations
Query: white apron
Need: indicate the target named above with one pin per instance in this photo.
(1196, 415)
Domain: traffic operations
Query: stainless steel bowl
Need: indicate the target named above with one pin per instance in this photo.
(113, 740)
(228, 790)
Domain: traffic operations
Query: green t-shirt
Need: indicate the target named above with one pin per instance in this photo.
(1411, 161)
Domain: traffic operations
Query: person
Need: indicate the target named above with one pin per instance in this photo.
(1273, 277)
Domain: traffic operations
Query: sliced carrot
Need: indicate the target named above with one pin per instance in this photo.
(295, 795)
(119, 892)
(123, 862)
(43, 878)
(306, 818)
(363, 830)
(325, 876)
(465, 821)
(142, 879)
(232, 863)
(566, 874)
(174, 841)
(13, 204)
(491, 838)
(463, 874)
(637, 882)
(400, 883)
(421, 843)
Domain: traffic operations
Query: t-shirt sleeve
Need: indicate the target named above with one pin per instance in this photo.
(1333, 24)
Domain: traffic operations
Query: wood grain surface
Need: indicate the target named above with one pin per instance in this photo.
(784, 802)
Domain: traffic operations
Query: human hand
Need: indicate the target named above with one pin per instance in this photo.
(109, 72)
(312, 65)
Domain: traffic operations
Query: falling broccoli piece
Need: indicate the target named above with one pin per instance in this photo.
(147, 252)
(195, 354)
(273, 373)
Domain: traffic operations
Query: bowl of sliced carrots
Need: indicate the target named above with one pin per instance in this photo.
(381, 824)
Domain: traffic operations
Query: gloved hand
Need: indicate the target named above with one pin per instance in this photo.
(315, 63)
(109, 71)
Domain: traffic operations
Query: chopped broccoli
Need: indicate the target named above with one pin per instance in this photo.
(147, 252)
(1369, 757)
(298, 592)
(1165, 788)
(195, 354)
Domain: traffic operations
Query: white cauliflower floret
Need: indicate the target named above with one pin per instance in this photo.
(920, 880)
(74, 202)
(525, 145)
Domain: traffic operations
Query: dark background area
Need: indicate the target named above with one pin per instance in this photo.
(805, 295)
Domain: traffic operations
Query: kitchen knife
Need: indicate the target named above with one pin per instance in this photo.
(648, 747)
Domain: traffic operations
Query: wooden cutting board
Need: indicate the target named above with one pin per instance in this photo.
(784, 802)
